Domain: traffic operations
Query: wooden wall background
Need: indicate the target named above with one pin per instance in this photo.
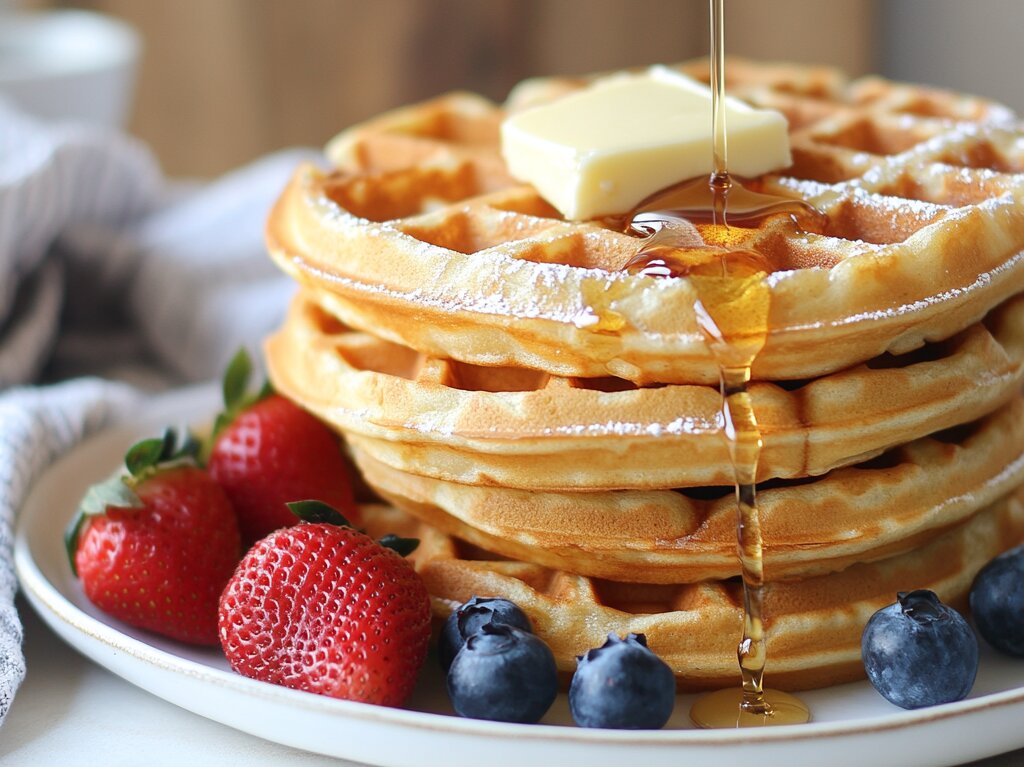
(223, 81)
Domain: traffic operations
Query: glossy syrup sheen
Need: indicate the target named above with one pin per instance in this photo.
(699, 227)
(718, 200)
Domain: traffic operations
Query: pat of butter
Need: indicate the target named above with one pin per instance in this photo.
(601, 150)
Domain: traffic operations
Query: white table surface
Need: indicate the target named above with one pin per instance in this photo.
(71, 711)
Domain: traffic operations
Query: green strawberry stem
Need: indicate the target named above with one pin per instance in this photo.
(145, 457)
(112, 492)
(318, 511)
(237, 397)
(236, 379)
(403, 546)
(142, 460)
(146, 454)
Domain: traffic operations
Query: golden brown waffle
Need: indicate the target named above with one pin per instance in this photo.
(521, 429)
(498, 373)
(875, 510)
(421, 238)
(814, 625)
(751, 80)
(803, 92)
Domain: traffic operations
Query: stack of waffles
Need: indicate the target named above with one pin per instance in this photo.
(549, 425)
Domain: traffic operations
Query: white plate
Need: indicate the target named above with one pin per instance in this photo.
(853, 726)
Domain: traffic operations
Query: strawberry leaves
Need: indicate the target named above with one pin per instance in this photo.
(236, 393)
(144, 454)
(318, 511)
(144, 457)
(403, 546)
(142, 460)
(114, 492)
(236, 379)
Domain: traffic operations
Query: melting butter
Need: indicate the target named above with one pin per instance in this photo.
(603, 149)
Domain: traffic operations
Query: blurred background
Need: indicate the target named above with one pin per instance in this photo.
(221, 82)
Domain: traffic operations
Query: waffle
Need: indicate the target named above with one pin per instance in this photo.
(422, 238)
(805, 94)
(519, 429)
(553, 422)
(863, 513)
(814, 625)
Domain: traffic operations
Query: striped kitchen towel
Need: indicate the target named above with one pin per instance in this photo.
(54, 178)
(114, 281)
(36, 426)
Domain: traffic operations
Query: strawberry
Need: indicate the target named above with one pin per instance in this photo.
(267, 451)
(324, 608)
(155, 548)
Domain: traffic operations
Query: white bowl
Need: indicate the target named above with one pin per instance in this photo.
(68, 65)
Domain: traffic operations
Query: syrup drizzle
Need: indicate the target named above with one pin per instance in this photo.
(720, 142)
(695, 229)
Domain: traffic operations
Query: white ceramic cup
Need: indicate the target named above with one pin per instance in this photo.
(68, 65)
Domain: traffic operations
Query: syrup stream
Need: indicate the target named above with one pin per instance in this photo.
(719, 180)
(741, 431)
(732, 309)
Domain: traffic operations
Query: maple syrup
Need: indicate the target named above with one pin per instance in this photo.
(695, 229)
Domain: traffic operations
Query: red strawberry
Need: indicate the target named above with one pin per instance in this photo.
(324, 608)
(267, 452)
(154, 549)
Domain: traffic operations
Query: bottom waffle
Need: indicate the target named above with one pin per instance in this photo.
(814, 624)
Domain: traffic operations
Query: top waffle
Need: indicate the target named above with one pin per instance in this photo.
(421, 236)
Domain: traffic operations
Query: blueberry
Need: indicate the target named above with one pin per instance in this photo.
(467, 619)
(622, 685)
(997, 602)
(919, 652)
(503, 674)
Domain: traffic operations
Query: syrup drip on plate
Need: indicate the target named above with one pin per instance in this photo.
(697, 230)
